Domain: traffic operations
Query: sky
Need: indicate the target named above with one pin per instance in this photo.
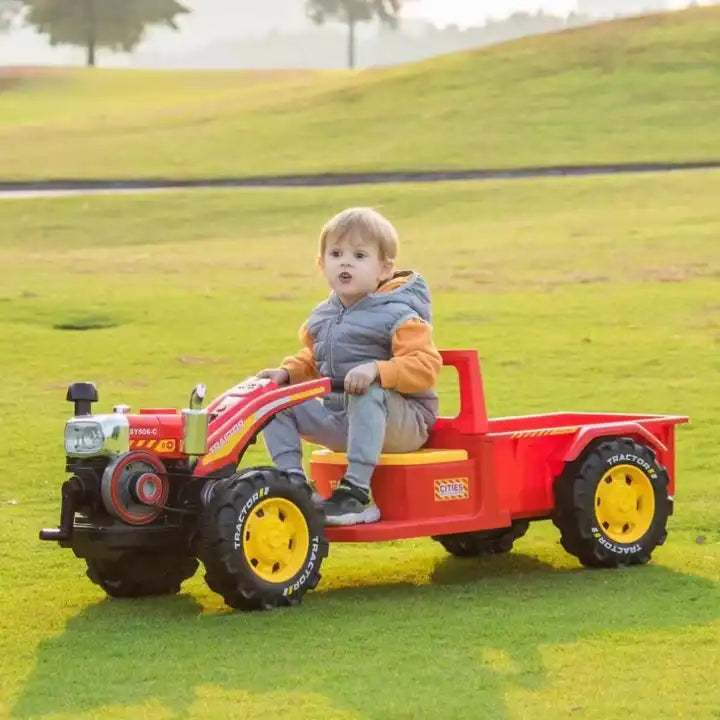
(466, 12)
(208, 23)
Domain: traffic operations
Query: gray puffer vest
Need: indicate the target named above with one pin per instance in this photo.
(346, 337)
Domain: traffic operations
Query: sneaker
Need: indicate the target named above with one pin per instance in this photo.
(350, 505)
(316, 498)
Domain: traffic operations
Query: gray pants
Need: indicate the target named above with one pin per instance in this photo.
(361, 425)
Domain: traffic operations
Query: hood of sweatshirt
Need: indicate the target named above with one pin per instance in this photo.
(408, 287)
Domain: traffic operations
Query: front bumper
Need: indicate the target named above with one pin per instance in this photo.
(91, 540)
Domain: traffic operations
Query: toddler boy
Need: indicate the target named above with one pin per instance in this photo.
(372, 336)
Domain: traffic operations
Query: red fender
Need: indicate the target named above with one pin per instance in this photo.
(586, 434)
(245, 414)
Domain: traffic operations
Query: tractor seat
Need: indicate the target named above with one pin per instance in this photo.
(426, 456)
(407, 486)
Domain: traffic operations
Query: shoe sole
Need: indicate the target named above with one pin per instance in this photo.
(369, 515)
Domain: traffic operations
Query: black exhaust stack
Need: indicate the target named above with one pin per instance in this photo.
(83, 394)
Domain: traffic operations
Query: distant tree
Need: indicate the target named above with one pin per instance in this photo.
(9, 12)
(352, 12)
(115, 24)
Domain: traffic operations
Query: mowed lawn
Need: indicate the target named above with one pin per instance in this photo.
(635, 90)
(596, 293)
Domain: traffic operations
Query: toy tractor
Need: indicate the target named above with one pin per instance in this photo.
(152, 493)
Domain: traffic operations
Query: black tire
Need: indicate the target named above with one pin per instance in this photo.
(230, 571)
(483, 542)
(579, 510)
(139, 574)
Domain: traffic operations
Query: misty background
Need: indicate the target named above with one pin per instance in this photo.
(238, 34)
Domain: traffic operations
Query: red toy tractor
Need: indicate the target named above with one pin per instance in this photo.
(154, 492)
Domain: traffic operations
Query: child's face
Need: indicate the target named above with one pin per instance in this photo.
(353, 268)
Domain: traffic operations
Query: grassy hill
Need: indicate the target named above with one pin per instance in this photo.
(643, 89)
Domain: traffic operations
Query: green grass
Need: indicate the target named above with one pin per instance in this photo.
(596, 294)
(633, 90)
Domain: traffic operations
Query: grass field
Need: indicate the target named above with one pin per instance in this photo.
(637, 90)
(580, 294)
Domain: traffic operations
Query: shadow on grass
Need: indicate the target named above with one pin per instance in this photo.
(449, 648)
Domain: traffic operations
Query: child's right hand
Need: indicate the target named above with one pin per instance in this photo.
(280, 376)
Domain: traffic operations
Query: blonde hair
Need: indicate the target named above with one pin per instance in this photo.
(366, 223)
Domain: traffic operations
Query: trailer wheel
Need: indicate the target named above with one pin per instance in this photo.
(262, 540)
(483, 542)
(139, 574)
(612, 506)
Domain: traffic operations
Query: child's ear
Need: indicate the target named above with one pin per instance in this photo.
(388, 267)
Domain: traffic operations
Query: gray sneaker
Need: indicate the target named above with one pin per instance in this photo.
(350, 505)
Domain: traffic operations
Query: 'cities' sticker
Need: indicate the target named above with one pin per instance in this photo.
(452, 489)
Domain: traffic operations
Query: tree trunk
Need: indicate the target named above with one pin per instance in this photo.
(91, 52)
(351, 43)
(91, 31)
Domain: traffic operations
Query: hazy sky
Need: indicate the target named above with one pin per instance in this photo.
(208, 22)
(464, 12)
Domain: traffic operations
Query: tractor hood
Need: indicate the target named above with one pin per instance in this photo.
(158, 431)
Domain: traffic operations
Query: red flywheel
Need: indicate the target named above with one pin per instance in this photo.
(135, 487)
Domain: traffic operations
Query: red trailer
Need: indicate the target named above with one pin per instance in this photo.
(479, 474)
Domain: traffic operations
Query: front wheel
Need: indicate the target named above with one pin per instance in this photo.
(262, 540)
(139, 574)
(612, 507)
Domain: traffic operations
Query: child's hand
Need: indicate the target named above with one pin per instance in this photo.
(358, 380)
(280, 376)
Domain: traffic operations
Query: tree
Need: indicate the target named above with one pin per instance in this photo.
(352, 12)
(114, 24)
(9, 11)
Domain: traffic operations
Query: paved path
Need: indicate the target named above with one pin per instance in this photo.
(50, 188)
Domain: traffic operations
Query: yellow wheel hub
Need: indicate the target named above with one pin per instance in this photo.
(625, 503)
(276, 539)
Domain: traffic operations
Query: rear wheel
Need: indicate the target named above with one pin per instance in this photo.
(138, 574)
(612, 506)
(483, 542)
(262, 540)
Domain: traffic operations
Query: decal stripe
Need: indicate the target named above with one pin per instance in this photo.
(308, 394)
(544, 433)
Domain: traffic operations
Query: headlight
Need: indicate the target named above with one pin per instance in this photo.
(83, 438)
(97, 435)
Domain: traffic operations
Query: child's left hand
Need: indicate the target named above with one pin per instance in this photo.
(359, 379)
